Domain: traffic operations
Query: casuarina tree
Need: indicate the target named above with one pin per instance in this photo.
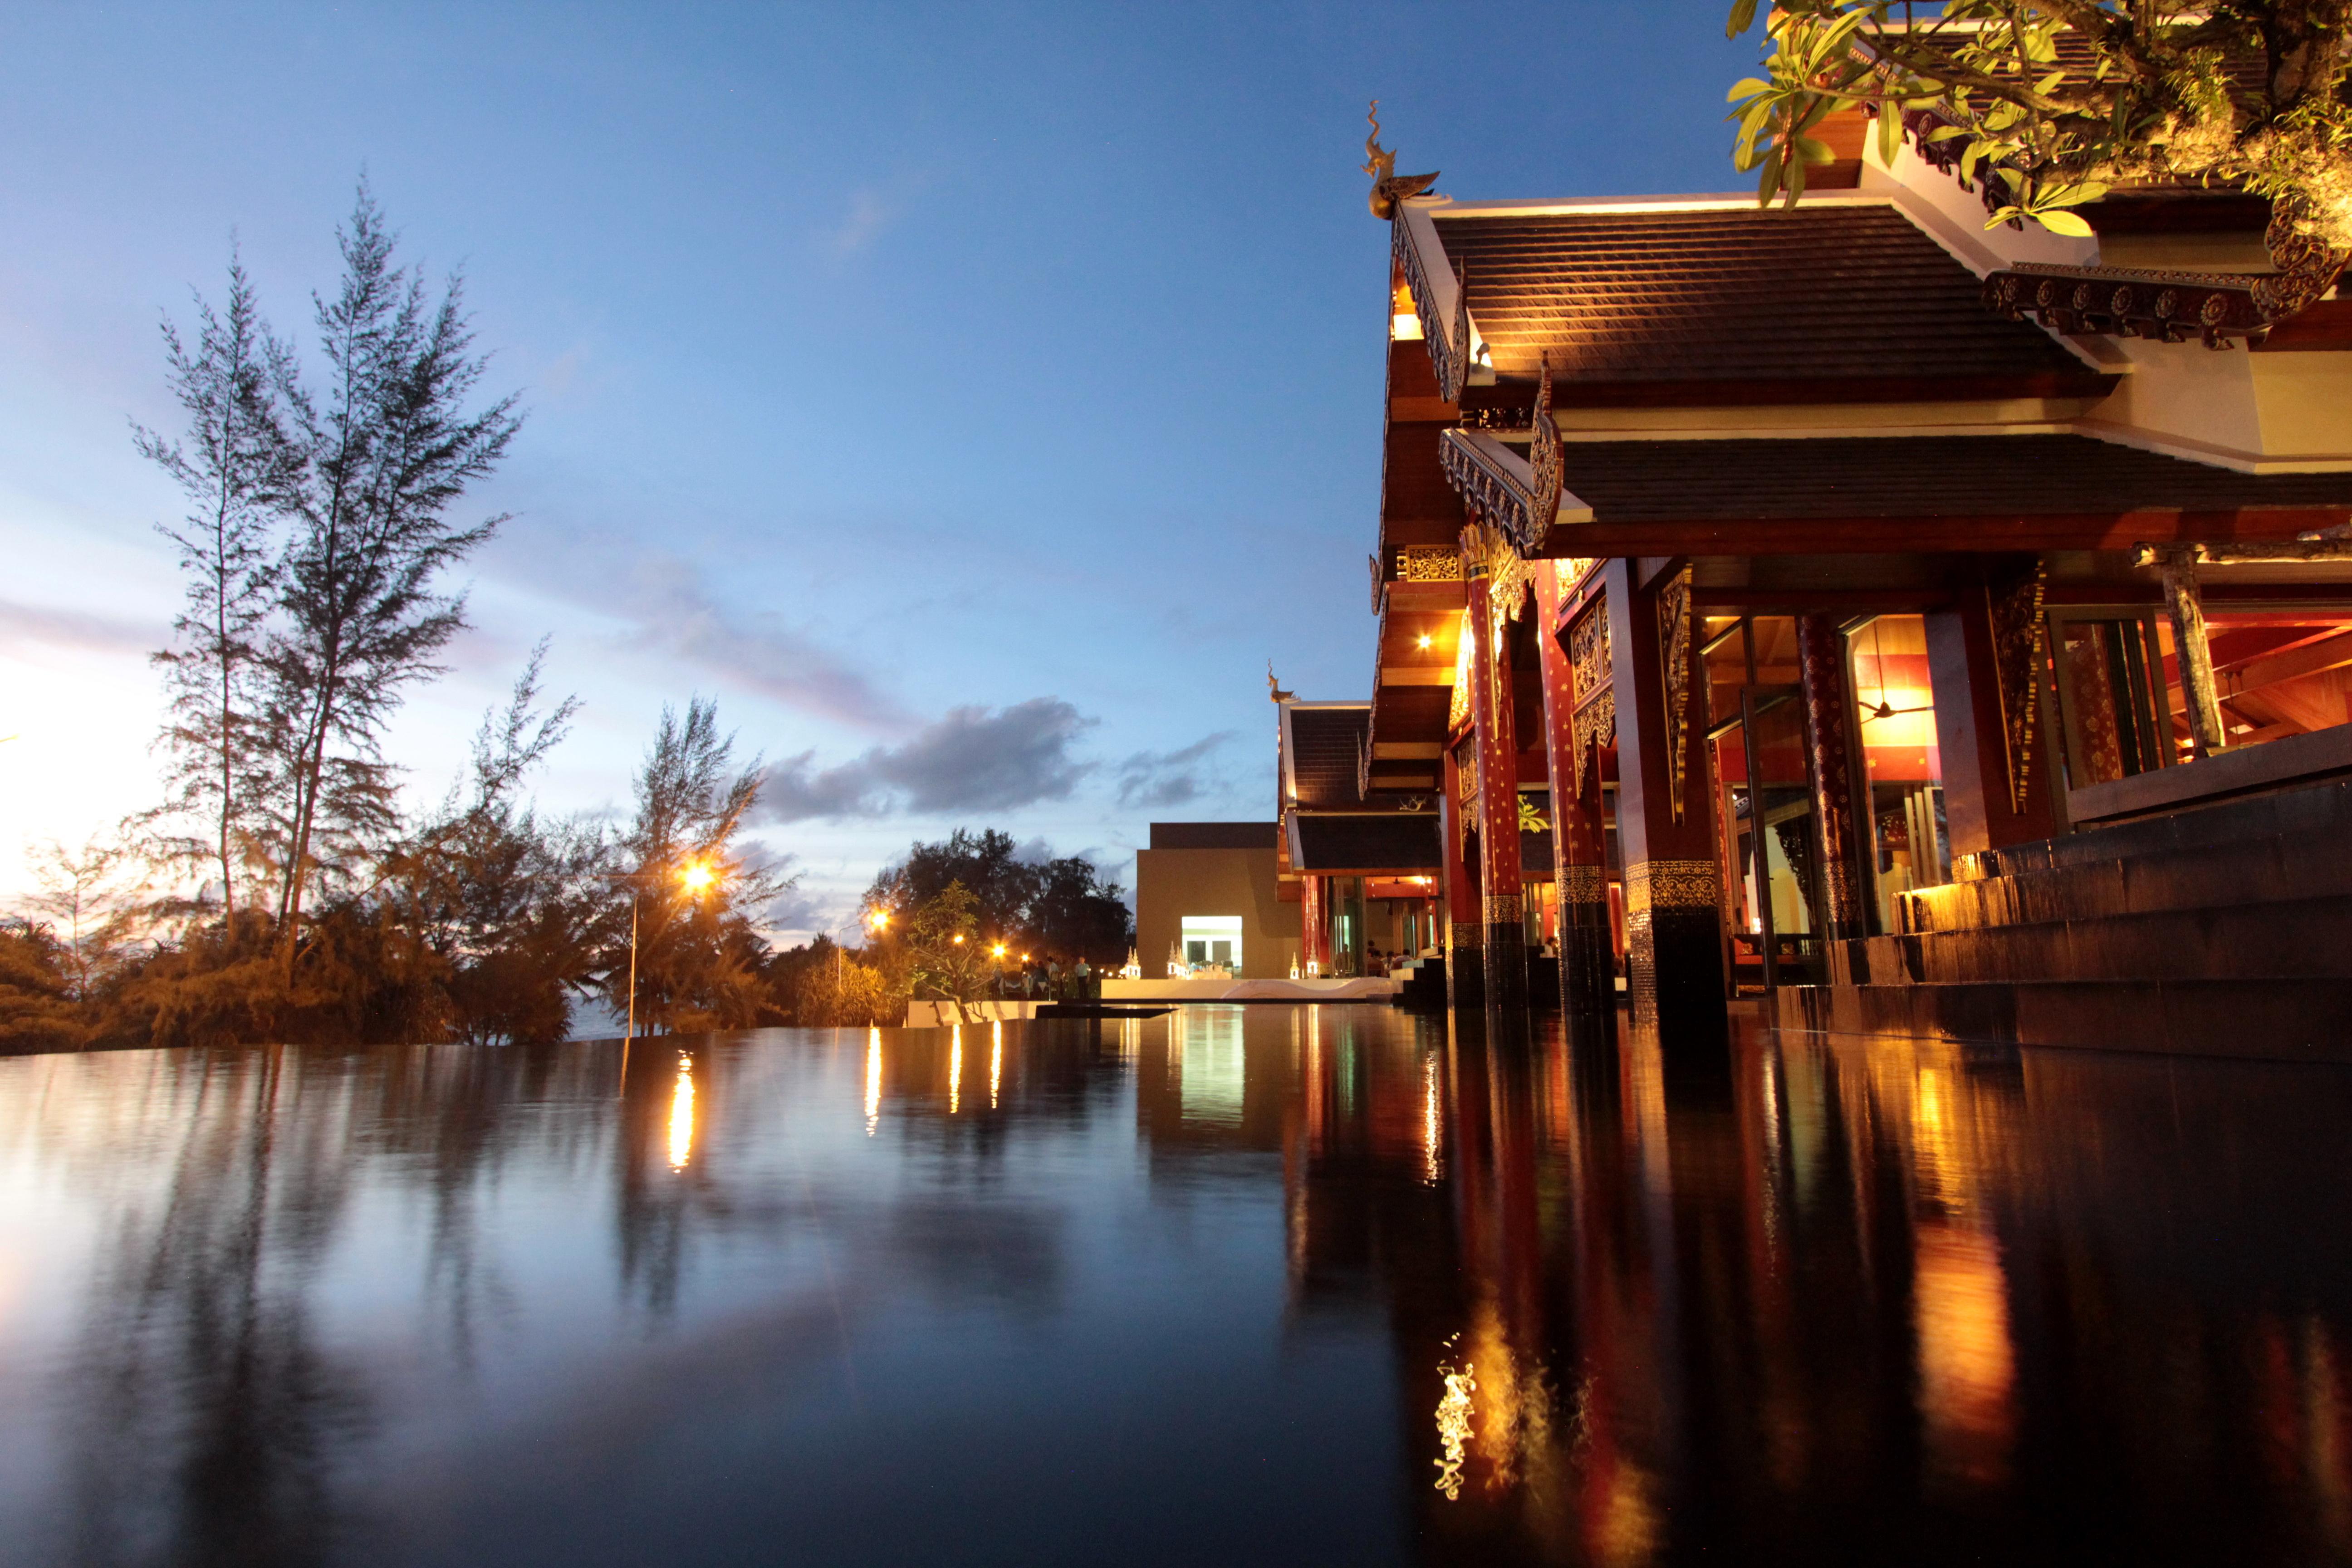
(390, 441)
(239, 470)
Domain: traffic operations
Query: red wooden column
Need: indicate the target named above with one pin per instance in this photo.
(1665, 812)
(1989, 729)
(1587, 963)
(1838, 792)
(1492, 716)
(1465, 966)
(1313, 926)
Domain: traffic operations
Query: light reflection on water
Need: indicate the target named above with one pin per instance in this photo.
(1258, 1284)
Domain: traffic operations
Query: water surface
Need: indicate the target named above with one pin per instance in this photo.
(1266, 1284)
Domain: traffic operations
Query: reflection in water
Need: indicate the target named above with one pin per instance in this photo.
(955, 1071)
(873, 1082)
(681, 1114)
(1280, 1284)
(1453, 1412)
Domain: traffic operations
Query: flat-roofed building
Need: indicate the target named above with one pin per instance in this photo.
(1208, 894)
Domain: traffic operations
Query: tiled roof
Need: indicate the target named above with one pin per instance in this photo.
(1327, 743)
(1913, 477)
(1214, 835)
(1352, 845)
(1834, 292)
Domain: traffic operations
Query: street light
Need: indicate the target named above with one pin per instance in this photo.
(697, 877)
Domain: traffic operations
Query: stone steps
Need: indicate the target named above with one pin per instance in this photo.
(2278, 939)
(2276, 1020)
(2223, 930)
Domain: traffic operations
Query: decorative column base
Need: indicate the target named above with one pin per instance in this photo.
(1506, 956)
(1673, 948)
(1587, 961)
(1465, 967)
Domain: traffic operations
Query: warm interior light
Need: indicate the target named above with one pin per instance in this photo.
(1423, 641)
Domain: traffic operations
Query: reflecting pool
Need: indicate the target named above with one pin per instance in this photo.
(1243, 1284)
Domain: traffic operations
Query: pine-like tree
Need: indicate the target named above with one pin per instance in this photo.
(389, 448)
(239, 470)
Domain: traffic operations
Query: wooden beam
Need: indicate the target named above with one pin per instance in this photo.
(1969, 533)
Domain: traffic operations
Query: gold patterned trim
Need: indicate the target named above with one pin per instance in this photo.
(1674, 647)
(1671, 885)
(1593, 707)
(1583, 885)
(1428, 564)
(1503, 909)
(1457, 706)
(1466, 934)
(2018, 630)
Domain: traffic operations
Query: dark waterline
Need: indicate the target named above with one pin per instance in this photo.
(1243, 1285)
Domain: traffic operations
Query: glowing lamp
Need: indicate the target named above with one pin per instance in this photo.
(697, 877)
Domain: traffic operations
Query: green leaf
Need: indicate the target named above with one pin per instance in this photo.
(2049, 84)
(1743, 16)
(1768, 185)
(1890, 134)
(1814, 152)
(2058, 220)
(1746, 87)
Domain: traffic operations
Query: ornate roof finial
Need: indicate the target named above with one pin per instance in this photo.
(1274, 687)
(1381, 164)
(1546, 462)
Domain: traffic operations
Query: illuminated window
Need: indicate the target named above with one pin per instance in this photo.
(1214, 940)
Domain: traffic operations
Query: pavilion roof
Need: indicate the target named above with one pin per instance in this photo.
(1841, 300)
(1322, 750)
(1920, 492)
(1381, 844)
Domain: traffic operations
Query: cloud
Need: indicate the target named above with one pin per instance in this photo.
(973, 759)
(1151, 781)
(869, 214)
(759, 652)
(24, 625)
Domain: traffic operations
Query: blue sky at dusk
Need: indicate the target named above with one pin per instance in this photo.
(970, 398)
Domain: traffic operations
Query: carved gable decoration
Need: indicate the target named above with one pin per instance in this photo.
(1544, 459)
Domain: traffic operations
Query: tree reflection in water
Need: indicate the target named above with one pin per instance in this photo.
(1270, 1283)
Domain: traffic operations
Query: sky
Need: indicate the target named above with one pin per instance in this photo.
(972, 399)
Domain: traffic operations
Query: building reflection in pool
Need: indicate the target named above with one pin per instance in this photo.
(1282, 1284)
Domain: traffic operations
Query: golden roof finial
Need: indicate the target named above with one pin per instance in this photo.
(1274, 687)
(1381, 164)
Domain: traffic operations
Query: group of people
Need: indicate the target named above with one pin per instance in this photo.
(1050, 982)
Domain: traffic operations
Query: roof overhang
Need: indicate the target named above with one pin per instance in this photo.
(1364, 844)
(1500, 482)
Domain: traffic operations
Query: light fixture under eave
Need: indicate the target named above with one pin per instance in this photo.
(1423, 640)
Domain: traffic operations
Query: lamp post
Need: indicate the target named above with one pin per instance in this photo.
(696, 878)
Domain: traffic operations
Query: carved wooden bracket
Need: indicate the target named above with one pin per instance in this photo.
(1674, 649)
(2017, 644)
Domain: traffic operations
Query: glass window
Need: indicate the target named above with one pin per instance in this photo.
(1212, 940)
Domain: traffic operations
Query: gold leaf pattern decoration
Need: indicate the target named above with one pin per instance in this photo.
(2015, 606)
(1544, 459)
(1674, 647)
